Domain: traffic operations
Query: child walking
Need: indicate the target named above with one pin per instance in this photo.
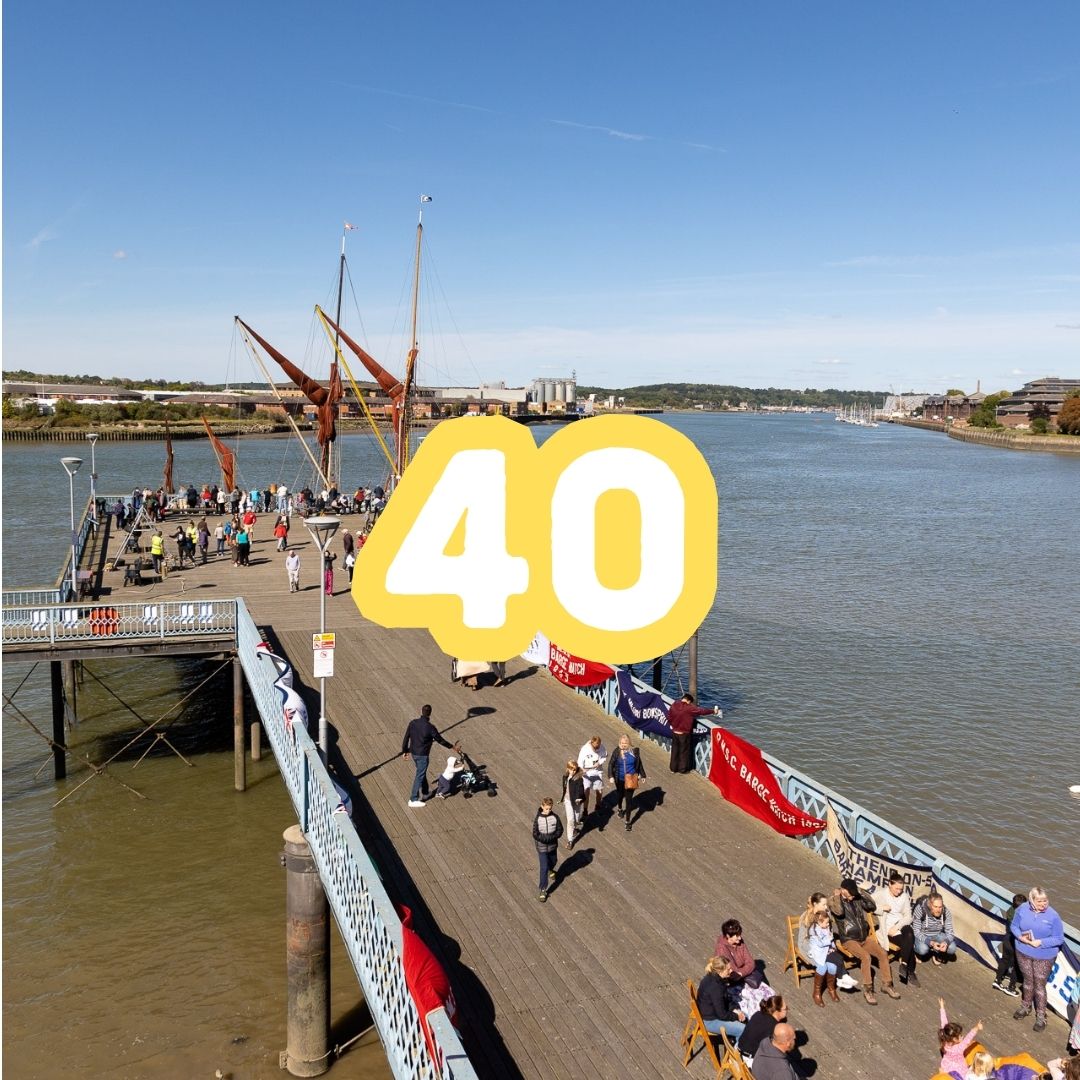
(953, 1042)
(546, 830)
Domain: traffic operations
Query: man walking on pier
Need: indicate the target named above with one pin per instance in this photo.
(419, 736)
(292, 566)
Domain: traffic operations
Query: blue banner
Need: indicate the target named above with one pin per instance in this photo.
(642, 709)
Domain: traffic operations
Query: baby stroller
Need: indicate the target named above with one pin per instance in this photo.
(475, 779)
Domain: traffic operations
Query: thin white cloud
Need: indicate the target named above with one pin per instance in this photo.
(613, 132)
(119, 253)
(630, 136)
(43, 236)
(1067, 326)
(830, 361)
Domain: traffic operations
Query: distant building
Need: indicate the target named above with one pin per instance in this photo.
(1015, 410)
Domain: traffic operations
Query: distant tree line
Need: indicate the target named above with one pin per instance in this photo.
(714, 396)
(126, 384)
(68, 414)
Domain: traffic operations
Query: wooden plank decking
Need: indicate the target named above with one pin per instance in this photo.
(592, 983)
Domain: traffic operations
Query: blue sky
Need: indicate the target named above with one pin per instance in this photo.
(852, 195)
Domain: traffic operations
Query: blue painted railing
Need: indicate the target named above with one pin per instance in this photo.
(365, 915)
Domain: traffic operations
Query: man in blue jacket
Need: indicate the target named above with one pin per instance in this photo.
(419, 736)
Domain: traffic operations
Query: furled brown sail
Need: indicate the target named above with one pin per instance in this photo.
(226, 458)
(324, 398)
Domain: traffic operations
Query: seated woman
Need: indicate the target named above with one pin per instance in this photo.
(714, 996)
(760, 1026)
(752, 988)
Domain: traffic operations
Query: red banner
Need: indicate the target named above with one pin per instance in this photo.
(573, 671)
(427, 981)
(743, 777)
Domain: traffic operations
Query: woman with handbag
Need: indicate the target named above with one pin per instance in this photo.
(626, 772)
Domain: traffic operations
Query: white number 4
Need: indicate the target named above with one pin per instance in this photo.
(485, 574)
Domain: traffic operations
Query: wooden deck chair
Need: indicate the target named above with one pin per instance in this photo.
(802, 968)
(732, 1061)
(695, 1028)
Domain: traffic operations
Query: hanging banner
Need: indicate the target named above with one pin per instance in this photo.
(642, 708)
(743, 777)
(428, 983)
(539, 650)
(573, 671)
(293, 709)
(869, 868)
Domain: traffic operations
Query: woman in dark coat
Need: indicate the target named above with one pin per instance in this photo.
(713, 999)
(626, 773)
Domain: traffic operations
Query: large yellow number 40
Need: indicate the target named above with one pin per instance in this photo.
(604, 538)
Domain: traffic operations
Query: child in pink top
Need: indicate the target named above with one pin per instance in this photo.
(953, 1043)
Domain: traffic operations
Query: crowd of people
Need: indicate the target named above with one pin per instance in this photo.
(836, 929)
(231, 534)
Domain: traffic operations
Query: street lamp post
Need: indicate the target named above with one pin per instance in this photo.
(71, 467)
(93, 437)
(322, 529)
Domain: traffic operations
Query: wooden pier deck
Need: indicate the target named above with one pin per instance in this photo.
(592, 983)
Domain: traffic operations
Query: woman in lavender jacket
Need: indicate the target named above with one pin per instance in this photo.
(1039, 934)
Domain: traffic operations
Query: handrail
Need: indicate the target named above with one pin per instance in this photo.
(101, 621)
(365, 915)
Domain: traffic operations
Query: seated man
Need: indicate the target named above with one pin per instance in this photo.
(850, 906)
(894, 924)
(933, 926)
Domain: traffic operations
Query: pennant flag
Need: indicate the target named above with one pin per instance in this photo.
(349, 227)
(425, 198)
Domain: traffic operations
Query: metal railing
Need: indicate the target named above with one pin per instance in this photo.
(366, 917)
(65, 624)
(865, 828)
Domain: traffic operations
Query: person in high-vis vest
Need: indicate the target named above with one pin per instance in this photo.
(157, 550)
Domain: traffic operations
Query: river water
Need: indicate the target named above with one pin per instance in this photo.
(896, 616)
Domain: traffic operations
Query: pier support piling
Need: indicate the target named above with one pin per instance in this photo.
(239, 764)
(70, 692)
(307, 936)
(256, 741)
(58, 739)
(691, 678)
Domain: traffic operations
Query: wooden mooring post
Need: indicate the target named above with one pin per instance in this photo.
(307, 950)
(256, 740)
